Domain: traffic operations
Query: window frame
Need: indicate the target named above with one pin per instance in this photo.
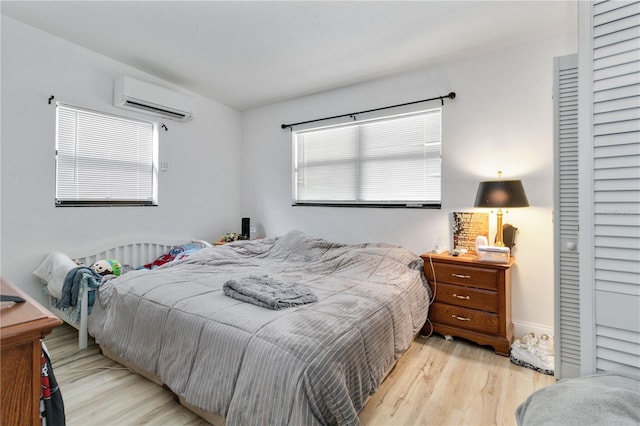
(79, 202)
(363, 204)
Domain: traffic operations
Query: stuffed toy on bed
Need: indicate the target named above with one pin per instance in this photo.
(106, 267)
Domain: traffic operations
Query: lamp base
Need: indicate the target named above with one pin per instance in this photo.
(499, 232)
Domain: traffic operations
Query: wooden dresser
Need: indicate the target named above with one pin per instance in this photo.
(473, 299)
(22, 325)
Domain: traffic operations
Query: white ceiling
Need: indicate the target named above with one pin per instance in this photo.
(246, 54)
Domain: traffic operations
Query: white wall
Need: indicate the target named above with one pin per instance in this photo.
(198, 196)
(502, 119)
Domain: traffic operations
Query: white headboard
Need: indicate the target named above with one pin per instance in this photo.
(133, 252)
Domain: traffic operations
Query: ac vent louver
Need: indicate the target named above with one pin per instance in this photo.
(137, 105)
(147, 98)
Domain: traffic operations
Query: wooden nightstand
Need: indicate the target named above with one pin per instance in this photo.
(473, 299)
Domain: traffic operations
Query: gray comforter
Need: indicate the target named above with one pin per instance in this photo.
(312, 364)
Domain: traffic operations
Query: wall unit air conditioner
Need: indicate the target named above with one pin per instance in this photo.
(148, 98)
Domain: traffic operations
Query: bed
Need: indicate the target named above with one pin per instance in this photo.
(234, 362)
(132, 253)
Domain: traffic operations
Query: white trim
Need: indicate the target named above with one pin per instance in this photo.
(585, 153)
(522, 328)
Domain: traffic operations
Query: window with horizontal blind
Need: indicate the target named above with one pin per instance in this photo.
(387, 162)
(104, 160)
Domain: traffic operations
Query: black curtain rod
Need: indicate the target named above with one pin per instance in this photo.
(451, 95)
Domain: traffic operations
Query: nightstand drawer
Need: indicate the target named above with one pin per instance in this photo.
(465, 275)
(469, 319)
(468, 297)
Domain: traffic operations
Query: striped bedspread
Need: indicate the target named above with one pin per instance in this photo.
(308, 365)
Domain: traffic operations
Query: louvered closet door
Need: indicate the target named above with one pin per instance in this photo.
(616, 185)
(567, 272)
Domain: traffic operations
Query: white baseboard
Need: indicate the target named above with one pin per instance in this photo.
(521, 328)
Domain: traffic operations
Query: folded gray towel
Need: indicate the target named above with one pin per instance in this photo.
(267, 292)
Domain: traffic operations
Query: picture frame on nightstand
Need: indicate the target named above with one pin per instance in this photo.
(466, 227)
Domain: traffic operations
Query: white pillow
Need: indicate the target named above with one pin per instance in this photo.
(53, 270)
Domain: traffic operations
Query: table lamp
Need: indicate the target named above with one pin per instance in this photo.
(498, 194)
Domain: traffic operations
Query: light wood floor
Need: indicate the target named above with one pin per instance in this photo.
(436, 382)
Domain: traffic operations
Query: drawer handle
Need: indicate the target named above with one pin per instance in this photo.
(457, 296)
(466, 277)
(460, 318)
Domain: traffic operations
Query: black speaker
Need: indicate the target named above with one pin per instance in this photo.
(245, 227)
(509, 235)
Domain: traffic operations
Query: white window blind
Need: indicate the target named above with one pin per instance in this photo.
(104, 159)
(392, 161)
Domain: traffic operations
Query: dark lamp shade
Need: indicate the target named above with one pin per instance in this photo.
(501, 193)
